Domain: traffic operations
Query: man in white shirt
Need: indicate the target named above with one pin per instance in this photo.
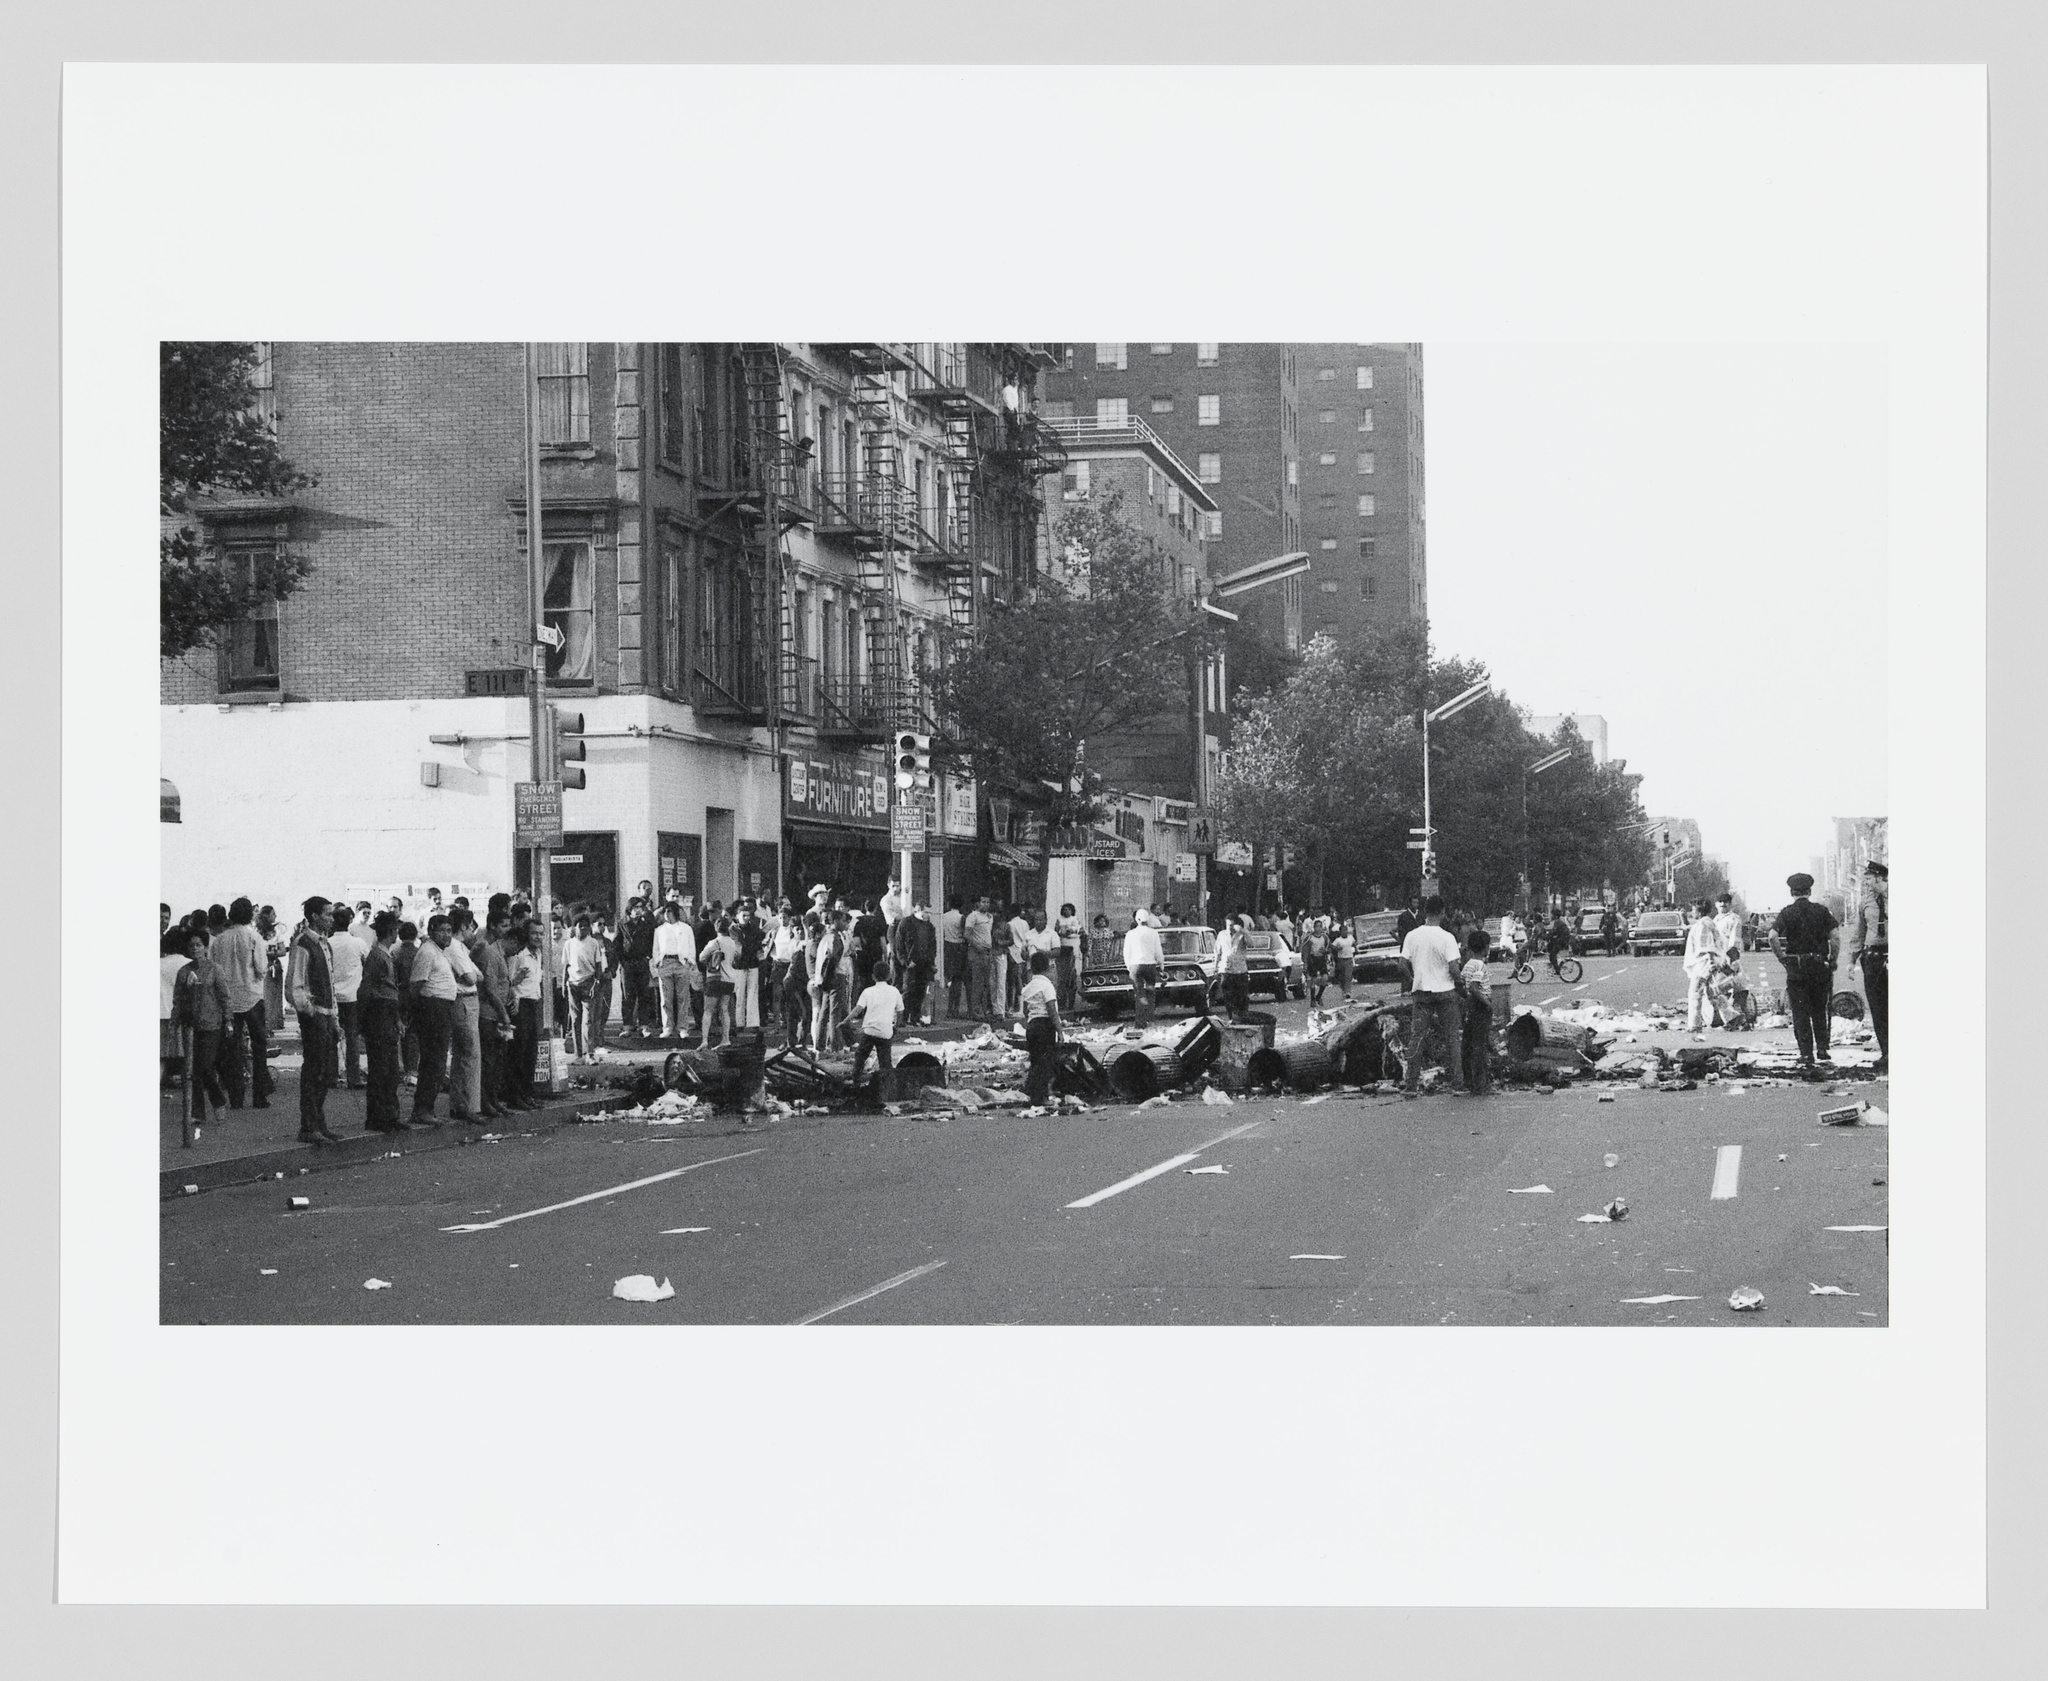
(1705, 954)
(895, 902)
(1144, 958)
(1430, 962)
(243, 958)
(675, 966)
(1726, 923)
(348, 953)
(876, 1010)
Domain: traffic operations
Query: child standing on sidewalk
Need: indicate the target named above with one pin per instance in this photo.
(200, 1005)
(876, 1010)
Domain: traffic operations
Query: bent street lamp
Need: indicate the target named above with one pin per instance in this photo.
(1457, 703)
(1259, 573)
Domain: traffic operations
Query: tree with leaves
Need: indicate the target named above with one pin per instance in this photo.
(1101, 648)
(1310, 763)
(212, 442)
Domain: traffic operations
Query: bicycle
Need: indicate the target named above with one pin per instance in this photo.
(1567, 969)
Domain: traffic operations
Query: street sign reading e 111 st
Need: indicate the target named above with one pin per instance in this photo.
(536, 814)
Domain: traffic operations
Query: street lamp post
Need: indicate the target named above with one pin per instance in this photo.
(1537, 769)
(1457, 703)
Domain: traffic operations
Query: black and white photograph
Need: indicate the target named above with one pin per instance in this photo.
(968, 972)
(1019, 833)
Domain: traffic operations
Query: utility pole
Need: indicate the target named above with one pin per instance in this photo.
(539, 728)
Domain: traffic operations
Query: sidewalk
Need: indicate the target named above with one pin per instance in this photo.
(249, 1143)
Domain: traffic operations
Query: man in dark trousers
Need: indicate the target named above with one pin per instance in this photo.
(1806, 941)
(1610, 931)
(638, 1007)
(1869, 946)
(914, 945)
(310, 984)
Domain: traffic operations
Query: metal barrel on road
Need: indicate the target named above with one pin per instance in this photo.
(1307, 1065)
(1144, 1071)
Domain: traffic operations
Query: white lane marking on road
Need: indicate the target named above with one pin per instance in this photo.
(1108, 1191)
(1727, 1172)
(594, 1196)
(1552, 999)
(1611, 973)
(866, 1295)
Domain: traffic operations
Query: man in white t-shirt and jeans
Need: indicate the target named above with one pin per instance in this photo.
(1429, 962)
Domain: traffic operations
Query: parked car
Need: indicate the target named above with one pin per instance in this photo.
(1374, 948)
(1274, 965)
(1190, 967)
(1586, 935)
(1657, 931)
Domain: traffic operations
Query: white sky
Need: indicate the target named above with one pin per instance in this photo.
(1690, 541)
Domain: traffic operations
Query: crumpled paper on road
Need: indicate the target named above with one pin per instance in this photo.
(1813, 1289)
(376, 1284)
(1746, 1300)
(642, 1288)
(1216, 1096)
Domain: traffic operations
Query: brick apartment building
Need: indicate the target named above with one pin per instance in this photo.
(1362, 507)
(752, 555)
(1231, 411)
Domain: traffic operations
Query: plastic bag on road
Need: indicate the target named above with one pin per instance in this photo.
(1213, 1095)
(1746, 1300)
(641, 1288)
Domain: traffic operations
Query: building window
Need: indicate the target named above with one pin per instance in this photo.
(1326, 416)
(1216, 525)
(1209, 411)
(1162, 350)
(1326, 373)
(1173, 502)
(1112, 356)
(1328, 543)
(263, 382)
(674, 579)
(1368, 547)
(1365, 461)
(1328, 589)
(1327, 459)
(675, 407)
(1365, 379)
(1293, 471)
(567, 607)
(1367, 587)
(1112, 411)
(1162, 405)
(1074, 482)
(1366, 507)
(1365, 421)
(1210, 467)
(564, 377)
(1206, 355)
(250, 647)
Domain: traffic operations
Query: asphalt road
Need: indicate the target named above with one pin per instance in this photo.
(1345, 1211)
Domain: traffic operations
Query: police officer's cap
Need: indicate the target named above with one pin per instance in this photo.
(1874, 868)
(1800, 882)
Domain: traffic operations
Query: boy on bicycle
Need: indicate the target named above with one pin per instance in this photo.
(1559, 939)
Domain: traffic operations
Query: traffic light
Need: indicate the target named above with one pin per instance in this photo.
(567, 747)
(913, 760)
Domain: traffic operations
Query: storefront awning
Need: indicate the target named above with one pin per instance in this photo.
(1007, 857)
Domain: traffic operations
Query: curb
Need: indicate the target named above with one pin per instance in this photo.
(291, 1160)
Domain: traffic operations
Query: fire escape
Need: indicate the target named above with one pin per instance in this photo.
(870, 507)
(766, 495)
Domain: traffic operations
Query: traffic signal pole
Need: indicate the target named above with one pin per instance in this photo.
(539, 730)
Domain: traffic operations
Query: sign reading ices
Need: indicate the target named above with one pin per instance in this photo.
(838, 789)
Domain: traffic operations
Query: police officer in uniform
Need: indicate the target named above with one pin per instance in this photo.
(1806, 941)
(1869, 943)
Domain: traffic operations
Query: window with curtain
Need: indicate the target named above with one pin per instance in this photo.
(1209, 468)
(1112, 356)
(675, 582)
(1112, 411)
(568, 607)
(1206, 355)
(1209, 411)
(563, 373)
(1365, 461)
(249, 648)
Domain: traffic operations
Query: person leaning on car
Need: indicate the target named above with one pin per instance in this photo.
(1144, 958)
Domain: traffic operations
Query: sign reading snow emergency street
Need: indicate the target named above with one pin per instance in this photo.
(907, 825)
(536, 814)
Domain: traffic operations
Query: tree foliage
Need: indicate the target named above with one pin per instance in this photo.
(212, 441)
(1103, 648)
(1329, 761)
(1307, 758)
